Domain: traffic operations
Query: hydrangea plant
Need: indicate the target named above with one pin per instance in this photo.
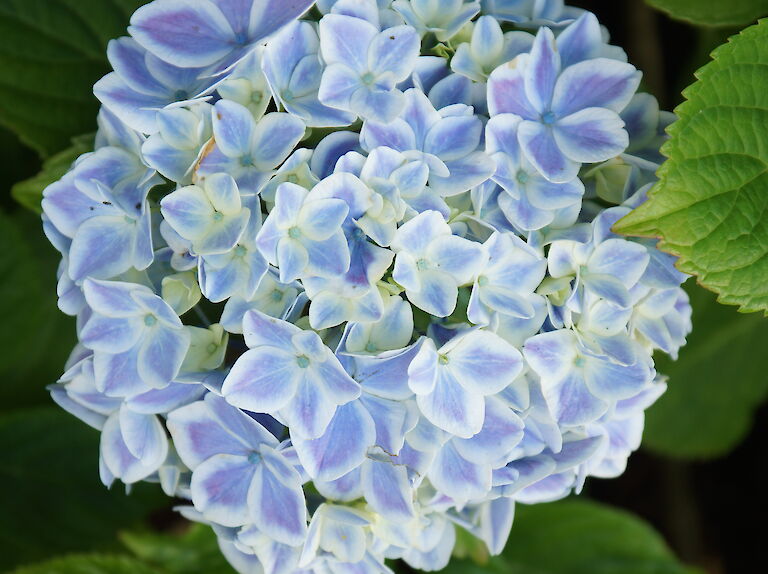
(344, 274)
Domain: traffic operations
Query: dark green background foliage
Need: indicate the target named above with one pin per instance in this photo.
(677, 510)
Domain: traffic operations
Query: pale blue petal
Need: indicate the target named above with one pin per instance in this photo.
(344, 39)
(452, 408)
(501, 433)
(621, 259)
(103, 247)
(394, 51)
(483, 362)
(274, 138)
(263, 380)
(144, 435)
(233, 128)
(458, 478)
(552, 354)
(110, 334)
(161, 354)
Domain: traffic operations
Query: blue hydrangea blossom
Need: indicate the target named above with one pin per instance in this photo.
(345, 278)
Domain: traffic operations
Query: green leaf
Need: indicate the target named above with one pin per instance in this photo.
(577, 536)
(194, 552)
(51, 54)
(52, 501)
(29, 193)
(584, 537)
(713, 12)
(715, 385)
(710, 205)
(88, 564)
(35, 337)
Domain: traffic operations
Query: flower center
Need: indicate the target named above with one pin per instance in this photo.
(302, 361)
(181, 95)
(482, 280)
(579, 362)
(211, 348)
(149, 319)
(240, 251)
(254, 457)
(522, 177)
(276, 295)
(294, 232)
(287, 95)
(443, 359)
(367, 78)
(217, 216)
(549, 118)
(422, 264)
(257, 97)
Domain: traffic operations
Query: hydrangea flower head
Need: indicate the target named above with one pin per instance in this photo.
(345, 278)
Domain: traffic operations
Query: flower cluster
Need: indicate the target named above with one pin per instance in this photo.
(346, 281)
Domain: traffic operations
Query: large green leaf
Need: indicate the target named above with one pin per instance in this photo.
(35, 337)
(29, 192)
(194, 552)
(578, 537)
(715, 385)
(51, 501)
(584, 537)
(710, 205)
(713, 12)
(51, 53)
(88, 564)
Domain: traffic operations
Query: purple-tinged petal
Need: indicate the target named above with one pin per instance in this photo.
(198, 436)
(220, 488)
(185, 34)
(571, 401)
(342, 446)
(541, 149)
(591, 135)
(506, 91)
(541, 71)
(596, 83)
(387, 489)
